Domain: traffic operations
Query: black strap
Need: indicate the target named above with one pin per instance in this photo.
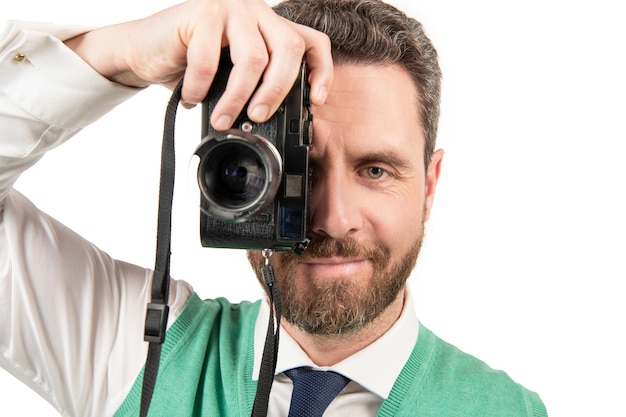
(157, 310)
(270, 351)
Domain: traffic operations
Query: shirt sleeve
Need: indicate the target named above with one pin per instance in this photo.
(47, 94)
(72, 317)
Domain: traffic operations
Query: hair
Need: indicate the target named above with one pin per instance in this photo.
(372, 32)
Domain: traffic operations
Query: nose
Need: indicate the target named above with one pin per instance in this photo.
(334, 206)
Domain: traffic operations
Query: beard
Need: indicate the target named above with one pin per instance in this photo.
(341, 306)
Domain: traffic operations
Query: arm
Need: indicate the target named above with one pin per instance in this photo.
(43, 105)
(181, 39)
(185, 39)
(54, 286)
(52, 282)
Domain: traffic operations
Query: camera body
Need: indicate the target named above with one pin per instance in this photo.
(254, 177)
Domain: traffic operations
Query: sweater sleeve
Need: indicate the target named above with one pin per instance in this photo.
(72, 317)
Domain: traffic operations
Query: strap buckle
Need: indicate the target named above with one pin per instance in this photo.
(156, 322)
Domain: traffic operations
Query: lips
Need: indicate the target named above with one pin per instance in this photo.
(327, 258)
(336, 267)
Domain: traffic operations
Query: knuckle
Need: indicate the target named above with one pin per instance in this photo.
(322, 43)
(257, 61)
(234, 97)
(325, 41)
(276, 91)
(206, 69)
(296, 46)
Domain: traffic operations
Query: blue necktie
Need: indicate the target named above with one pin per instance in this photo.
(313, 391)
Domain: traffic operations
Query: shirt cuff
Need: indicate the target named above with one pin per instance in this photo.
(49, 81)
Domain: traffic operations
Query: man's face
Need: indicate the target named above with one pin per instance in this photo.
(371, 195)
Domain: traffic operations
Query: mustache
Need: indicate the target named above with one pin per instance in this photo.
(347, 248)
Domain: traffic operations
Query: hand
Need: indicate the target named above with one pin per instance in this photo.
(187, 39)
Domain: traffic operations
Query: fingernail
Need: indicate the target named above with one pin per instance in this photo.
(223, 122)
(322, 93)
(260, 112)
(187, 104)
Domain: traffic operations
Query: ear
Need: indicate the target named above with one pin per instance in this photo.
(432, 177)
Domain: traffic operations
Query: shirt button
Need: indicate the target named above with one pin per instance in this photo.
(20, 58)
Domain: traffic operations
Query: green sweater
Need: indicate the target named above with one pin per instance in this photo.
(207, 358)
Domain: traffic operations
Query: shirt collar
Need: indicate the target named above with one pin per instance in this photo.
(377, 376)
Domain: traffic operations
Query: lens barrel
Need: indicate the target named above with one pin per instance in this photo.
(239, 174)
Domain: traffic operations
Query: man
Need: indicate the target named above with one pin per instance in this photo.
(345, 303)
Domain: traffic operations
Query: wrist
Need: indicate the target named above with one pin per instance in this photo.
(103, 50)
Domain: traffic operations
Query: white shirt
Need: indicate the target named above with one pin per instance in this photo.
(370, 383)
(45, 99)
(52, 336)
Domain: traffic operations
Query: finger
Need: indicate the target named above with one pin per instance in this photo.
(283, 69)
(319, 62)
(293, 44)
(203, 55)
(249, 57)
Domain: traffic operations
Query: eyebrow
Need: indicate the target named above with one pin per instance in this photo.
(387, 157)
(391, 158)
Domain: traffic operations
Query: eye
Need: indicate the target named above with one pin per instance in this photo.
(375, 173)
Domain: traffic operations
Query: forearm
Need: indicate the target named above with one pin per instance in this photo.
(94, 47)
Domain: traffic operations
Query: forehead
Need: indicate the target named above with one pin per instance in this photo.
(369, 107)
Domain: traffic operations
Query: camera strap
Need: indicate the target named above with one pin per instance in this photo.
(270, 350)
(157, 309)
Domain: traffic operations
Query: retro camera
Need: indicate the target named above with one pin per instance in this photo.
(254, 177)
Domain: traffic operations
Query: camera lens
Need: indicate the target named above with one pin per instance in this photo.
(239, 174)
(235, 175)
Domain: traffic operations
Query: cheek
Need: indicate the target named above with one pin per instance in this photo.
(395, 226)
(398, 223)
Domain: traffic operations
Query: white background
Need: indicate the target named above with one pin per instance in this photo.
(524, 259)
